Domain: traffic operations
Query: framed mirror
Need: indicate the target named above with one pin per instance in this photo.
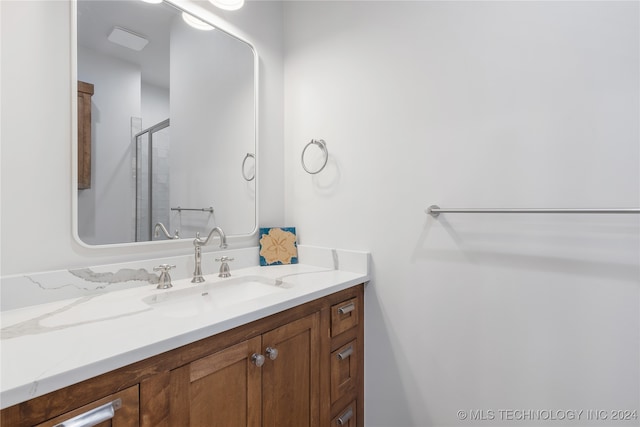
(167, 132)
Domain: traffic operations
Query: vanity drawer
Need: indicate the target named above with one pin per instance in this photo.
(346, 417)
(344, 316)
(344, 371)
(120, 409)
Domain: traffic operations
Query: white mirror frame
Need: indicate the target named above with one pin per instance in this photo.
(219, 24)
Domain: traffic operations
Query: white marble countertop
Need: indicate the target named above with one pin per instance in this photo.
(49, 346)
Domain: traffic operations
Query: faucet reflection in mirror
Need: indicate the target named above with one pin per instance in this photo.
(160, 227)
(198, 243)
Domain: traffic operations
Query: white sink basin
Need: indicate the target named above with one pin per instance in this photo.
(207, 297)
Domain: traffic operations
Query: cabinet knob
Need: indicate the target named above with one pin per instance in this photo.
(272, 353)
(257, 359)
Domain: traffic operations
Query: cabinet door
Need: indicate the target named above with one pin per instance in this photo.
(117, 410)
(290, 381)
(220, 390)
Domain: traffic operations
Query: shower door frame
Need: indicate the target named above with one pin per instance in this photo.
(150, 130)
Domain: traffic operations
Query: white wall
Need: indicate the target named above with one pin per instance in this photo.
(155, 104)
(465, 104)
(213, 114)
(36, 133)
(261, 23)
(105, 211)
(476, 104)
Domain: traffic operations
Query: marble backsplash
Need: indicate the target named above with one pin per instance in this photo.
(25, 290)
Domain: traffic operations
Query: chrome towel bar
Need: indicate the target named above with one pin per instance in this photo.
(179, 209)
(435, 210)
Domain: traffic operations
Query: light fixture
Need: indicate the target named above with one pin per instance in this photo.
(127, 38)
(228, 4)
(195, 22)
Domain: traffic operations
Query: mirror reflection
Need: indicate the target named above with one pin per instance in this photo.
(166, 125)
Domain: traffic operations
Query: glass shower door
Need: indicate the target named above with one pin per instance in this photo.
(152, 181)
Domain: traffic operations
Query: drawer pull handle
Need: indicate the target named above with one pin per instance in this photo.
(347, 308)
(345, 353)
(94, 416)
(345, 417)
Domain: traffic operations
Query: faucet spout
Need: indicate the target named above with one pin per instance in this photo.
(160, 226)
(198, 243)
(217, 230)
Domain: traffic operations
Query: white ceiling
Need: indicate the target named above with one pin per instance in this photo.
(96, 19)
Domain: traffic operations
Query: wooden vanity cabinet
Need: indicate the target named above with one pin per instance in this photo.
(217, 381)
(346, 362)
(234, 388)
(219, 390)
(291, 381)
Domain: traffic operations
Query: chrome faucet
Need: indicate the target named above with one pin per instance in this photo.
(160, 226)
(224, 271)
(164, 281)
(198, 243)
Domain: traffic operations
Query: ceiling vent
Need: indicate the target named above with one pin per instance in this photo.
(127, 38)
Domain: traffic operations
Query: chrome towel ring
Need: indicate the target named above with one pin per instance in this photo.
(323, 146)
(244, 174)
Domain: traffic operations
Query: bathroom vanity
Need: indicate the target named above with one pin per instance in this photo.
(291, 357)
(269, 346)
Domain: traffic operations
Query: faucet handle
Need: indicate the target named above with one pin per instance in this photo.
(164, 282)
(224, 267)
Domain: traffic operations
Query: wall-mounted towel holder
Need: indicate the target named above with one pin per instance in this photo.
(435, 210)
(244, 174)
(323, 146)
(179, 209)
